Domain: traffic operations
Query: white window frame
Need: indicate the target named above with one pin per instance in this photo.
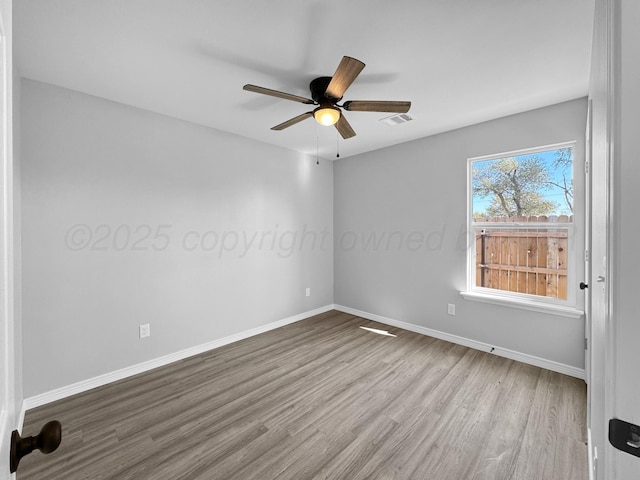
(536, 303)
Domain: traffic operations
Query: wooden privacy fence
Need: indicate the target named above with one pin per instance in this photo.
(524, 260)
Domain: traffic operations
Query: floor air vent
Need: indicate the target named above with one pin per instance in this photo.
(397, 119)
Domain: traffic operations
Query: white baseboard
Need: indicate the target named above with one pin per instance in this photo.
(467, 342)
(83, 386)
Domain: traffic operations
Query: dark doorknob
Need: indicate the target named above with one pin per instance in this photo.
(583, 286)
(46, 441)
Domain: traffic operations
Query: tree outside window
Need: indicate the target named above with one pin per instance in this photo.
(524, 185)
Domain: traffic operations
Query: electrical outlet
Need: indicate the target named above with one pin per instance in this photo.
(451, 309)
(145, 330)
(308, 292)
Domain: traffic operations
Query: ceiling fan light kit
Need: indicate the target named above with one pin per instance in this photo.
(327, 115)
(327, 92)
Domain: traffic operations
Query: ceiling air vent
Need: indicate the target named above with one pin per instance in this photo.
(397, 119)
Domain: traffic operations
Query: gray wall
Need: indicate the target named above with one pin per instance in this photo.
(95, 171)
(418, 191)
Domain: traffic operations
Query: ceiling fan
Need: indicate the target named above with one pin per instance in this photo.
(326, 92)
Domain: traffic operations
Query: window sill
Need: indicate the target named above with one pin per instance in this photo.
(550, 309)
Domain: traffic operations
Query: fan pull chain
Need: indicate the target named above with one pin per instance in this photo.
(337, 145)
(317, 149)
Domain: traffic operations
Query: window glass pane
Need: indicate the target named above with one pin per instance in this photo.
(524, 187)
(530, 261)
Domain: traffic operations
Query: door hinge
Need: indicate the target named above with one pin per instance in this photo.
(586, 255)
(586, 344)
(586, 168)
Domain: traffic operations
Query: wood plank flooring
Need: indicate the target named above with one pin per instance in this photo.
(323, 399)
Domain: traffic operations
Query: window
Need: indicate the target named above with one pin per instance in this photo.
(521, 224)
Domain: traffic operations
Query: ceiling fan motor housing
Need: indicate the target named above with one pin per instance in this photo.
(318, 87)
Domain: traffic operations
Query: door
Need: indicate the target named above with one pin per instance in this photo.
(8, 400)
(626, 261)
(598, 381)
(599, 335)
(6, 336)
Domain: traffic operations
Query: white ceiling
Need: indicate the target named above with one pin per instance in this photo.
(460, 62)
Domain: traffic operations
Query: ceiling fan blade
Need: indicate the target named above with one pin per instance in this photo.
(276, 93)
(376, 106)
(293, 121)
(346, 73)
(344, 128)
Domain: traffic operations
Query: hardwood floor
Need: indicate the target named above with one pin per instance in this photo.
(323, 399)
